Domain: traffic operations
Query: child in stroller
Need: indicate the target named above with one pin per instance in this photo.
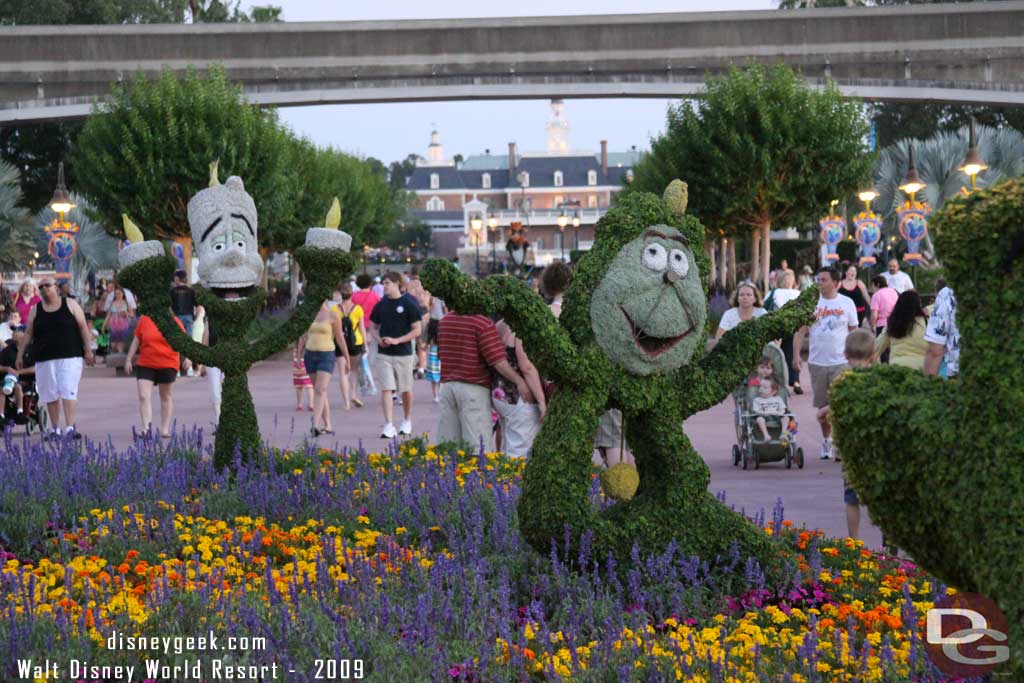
(765, 427)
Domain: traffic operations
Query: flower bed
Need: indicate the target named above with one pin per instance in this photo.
(410, 564)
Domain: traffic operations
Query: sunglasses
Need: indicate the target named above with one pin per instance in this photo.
(46, 284)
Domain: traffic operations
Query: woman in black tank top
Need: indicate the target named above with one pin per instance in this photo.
(853, 288)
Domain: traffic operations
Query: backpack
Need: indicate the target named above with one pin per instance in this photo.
(348, 332)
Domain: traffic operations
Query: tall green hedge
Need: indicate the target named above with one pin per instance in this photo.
(940, 464)
(672, 502)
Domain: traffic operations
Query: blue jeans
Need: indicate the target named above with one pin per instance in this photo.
(187, 321)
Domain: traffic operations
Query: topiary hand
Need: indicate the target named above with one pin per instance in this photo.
(940, 464)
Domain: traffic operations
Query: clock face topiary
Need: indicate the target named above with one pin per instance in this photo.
(648, 313)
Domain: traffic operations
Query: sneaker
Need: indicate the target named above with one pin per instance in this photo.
(405, 428)
(826, 449)
(388, 432)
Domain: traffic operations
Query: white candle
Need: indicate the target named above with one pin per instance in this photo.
(138, 251)
(328, 238)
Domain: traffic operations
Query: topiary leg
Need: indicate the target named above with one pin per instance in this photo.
(240, 429)
(556, 483)
(673, 503)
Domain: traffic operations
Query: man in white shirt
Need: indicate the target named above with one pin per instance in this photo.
(896, 278)
(835, 317)
(942, 336)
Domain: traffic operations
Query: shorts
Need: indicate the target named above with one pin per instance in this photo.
(822, 377)
(318, 361)
(609, 430)
(356, 350)
(849, 495)
(519, 426)
(56, 379)
(156, 375)
(394, 373)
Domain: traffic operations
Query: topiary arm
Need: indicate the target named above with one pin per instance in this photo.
(149, 279)
(547, 344)
(324, 269)
(737, 352)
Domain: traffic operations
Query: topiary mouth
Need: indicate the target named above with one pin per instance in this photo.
(649, 344)
(232, 293)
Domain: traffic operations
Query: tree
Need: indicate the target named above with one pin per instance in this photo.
(36, 148)
(399, 171)
(17, 229)
(761, 147)
(148, 149)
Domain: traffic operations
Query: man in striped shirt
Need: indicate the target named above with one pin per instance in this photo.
(468, 347)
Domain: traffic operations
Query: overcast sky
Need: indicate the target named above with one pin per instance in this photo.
(391, 131)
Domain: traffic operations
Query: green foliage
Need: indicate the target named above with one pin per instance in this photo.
(895, 121)
(238, 429)
(35, 149)
(17, 230)
(953, 498)
(148, 150)
(761, 146)
(368, 205)
(672, 502)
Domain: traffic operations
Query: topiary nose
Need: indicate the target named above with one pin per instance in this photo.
(671, 276)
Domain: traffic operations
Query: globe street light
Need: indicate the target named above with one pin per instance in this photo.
(912, 183)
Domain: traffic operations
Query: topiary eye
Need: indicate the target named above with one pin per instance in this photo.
(655, 257)
(679, 263)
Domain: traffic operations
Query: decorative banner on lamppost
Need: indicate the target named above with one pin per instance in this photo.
(61, 246)
(833, 230)
(178, 252)
(869, 231)
(912, 219)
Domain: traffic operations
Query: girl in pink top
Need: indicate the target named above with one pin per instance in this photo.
(882, 303)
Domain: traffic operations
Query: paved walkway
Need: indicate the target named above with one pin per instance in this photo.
(812, 496)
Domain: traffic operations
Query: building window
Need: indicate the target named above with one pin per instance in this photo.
(539, 243)
(592, 201)
(485, 181)
(591, 177)
(629, 175)
(558, 179)
(435, 204)
(524, 179)
(435, 181)
(559, 199)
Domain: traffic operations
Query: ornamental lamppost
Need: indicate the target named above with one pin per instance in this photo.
(62, 244)
(973, 163)
(576, 230)
(476, 224)
(912, 215)
(868, 228)
(492, 230)
(563, 220)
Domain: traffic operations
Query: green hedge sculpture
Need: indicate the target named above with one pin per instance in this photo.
(631, 336)
(237, 428)
(940, 464)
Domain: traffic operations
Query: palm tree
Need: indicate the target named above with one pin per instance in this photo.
(938, 160)
(17, 231)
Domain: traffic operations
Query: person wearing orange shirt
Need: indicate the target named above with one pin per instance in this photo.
(158, 364)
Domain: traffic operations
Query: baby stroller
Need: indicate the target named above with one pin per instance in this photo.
(750, 448)
(33, 416)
